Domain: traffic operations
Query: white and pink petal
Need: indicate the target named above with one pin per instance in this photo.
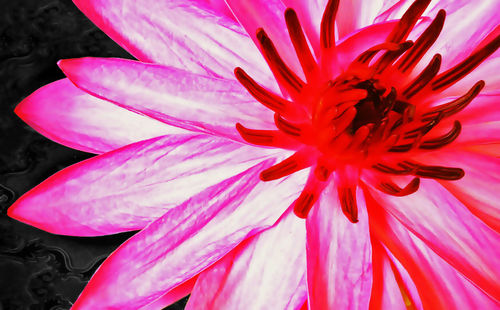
(186, 34)
(187, 239)
(130, 187)
(267, 271)
(173, 96)
(339, 267)
(69, 116)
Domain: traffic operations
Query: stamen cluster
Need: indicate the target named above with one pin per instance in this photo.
(356, 120)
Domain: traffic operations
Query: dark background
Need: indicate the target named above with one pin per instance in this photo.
(39, 270)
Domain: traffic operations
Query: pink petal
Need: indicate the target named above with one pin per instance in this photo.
(388, 283)
(173, 96)
(186, 240)
(64, 113)
(446, 226)
(128, 188)
(478, 189)
(440, 286)
(269, 15)
(477, 134)
(266, 272)
(356, 14)
(339, 269)
(173, 295)
(185, 34)
(474, 113)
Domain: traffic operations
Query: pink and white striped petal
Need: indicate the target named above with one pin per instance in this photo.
(267, 271)
(172, 296)
(478, 189)
(130, 187)
(186, 34)
(440, 286)
(447, 227)
(389, 290)
(186, 240)
(173, 96)
(69, 116)
(339, 268)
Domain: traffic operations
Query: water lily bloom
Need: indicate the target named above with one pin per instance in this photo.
(282, 154)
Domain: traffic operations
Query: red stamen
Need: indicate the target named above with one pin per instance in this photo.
(309, 196)
(423, 78)
(299, 41)
(282, 72)
(389, 57)
(453, 75)
(286, 126)
(271, 138)
(298, 161)
(458, 104)
(410, 59)
(348, 203)
(394, 190)
(327, 31)
(262, 95)
(408, 21)
(443, 140)
(439, 172)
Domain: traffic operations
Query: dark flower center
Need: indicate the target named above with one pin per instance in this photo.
(360, 119)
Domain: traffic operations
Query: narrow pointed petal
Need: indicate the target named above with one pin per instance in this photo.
(440, 286)
(447, 227)
(187, 240)
(185, 34)
(339, 270)
(268, 15)
(176, 97)
(66, 114)
(128, 188)
(478, 189)
(172, 296)
(388, 286)
(266, 272)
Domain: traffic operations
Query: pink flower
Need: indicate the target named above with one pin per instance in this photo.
(382, 131)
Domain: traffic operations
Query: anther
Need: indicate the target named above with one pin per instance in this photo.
(439, 172)
(410, 59)
(408, 21)
(327, 31)
(443, 140)
(272, 138)
(423, 78)
(368, 55)
(310, 194)
(286, 126)
(389, 57)
(348, 203)
(404, 169)
(299, 42)
(288, 78)
(458, 104)
(394, 190)
(262, 95)
(451, 76)
(298, 161)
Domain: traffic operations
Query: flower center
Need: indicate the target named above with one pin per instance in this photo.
(361, 122)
